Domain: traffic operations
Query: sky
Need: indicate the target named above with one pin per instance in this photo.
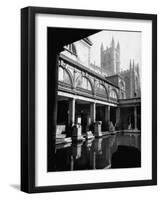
(130, 46)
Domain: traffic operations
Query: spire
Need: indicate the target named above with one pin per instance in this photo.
(113, 43)
(133, 64)
(131, 78)
(101, 54)
(137, 68)
(118, 58)
(130, 64)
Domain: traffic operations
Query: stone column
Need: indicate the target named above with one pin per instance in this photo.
(71, 119)
(107, 113)
(93, 112)
(135, 118)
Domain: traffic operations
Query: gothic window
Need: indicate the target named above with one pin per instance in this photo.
(64, 76)
(136, 83)
(113, 94)
(122, 95)
(122, 85)
(71, 48)
(84, 83)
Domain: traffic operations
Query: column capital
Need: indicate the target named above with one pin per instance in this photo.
(93, 111)
(71, 119)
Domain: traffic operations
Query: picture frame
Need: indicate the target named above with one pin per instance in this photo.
(34, 18)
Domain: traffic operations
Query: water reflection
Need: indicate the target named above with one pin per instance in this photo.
(114, 151)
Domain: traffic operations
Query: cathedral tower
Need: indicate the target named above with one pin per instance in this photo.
(110, 58)
(118, 58)
(102, 55)
(132, 80)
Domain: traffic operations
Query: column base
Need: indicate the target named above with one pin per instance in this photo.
(89, 135)
(97, 129)
(77, 133)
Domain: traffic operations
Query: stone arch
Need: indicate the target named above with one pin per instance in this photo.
(86, 77)
(69, 74)
(115, 91)
(101, 84)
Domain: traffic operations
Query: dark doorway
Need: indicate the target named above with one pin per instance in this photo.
(113, 115)
(100, 116)
(62, 113)
(82, 110)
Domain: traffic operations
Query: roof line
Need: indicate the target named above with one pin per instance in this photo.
(82, 67)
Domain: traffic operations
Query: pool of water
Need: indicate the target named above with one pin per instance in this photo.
(114, 151)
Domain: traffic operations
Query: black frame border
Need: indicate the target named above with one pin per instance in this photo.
(28, 98)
